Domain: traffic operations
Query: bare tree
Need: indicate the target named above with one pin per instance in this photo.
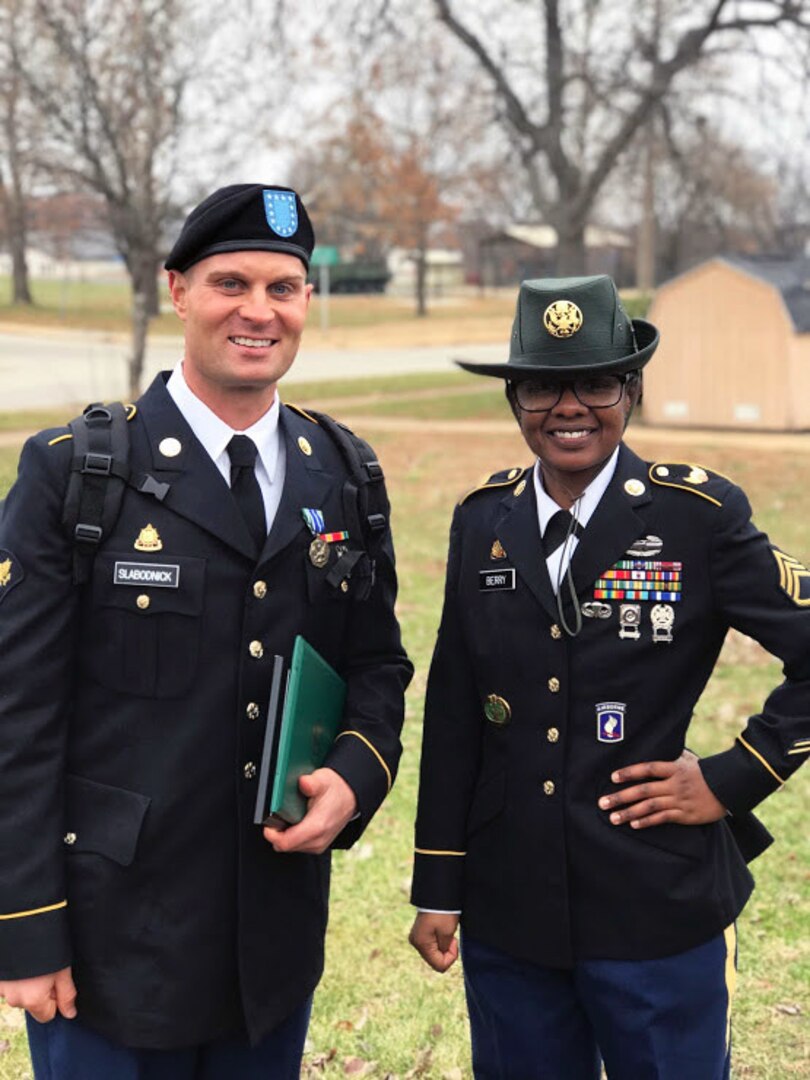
(573, 82)
(397, 166)
(16, 123)
(108, 79)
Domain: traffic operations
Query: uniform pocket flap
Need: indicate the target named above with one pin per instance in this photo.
(104, 820)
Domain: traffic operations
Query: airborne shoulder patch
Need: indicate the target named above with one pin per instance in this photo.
(502, 479)
(11, 573)
(794, 578)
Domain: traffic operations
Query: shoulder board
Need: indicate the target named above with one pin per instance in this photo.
(301, 412)
(131, 410)
(686, 476)
(504, 478)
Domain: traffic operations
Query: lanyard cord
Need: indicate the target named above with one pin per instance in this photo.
(567, 578)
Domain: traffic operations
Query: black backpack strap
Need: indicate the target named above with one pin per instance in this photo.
(364, 501)
(99, 472)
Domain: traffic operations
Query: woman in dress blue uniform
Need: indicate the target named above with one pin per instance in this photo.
(597, 866)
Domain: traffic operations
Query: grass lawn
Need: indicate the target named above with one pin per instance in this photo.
(379, 1011)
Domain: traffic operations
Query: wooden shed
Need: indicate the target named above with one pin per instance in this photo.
(735, 346)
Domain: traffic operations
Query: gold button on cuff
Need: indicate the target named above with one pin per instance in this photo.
(249, 770)
(554, 684)
(548, 787)
(256, 650)
(252, 711)
(555, 632)
(260, 589)
(143, 602)
(70, 838)
(553, 734)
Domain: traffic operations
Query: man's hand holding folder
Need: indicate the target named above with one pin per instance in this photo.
(331, 806)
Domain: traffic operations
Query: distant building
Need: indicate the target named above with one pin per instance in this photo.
(530, 251)
(444, 271)
(735, 346)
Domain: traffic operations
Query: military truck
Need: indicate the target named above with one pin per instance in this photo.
(352, 276)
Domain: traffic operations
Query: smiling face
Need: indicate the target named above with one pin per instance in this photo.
(574, 441)
(244, 313)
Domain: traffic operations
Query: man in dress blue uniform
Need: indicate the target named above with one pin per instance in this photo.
(147, 925)
(596, 866)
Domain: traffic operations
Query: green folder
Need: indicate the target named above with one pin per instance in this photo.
(310, 721)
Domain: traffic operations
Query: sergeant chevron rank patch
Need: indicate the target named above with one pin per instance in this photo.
(11, 573)
(794, 578)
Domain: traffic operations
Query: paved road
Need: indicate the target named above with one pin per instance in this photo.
(74, 367)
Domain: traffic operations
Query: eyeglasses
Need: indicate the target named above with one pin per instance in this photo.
(593, 391)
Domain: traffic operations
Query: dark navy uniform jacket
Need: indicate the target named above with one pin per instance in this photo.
(524, 725)
(132, 721)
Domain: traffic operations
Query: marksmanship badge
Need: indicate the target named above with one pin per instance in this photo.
(629, 621)
(662, 617)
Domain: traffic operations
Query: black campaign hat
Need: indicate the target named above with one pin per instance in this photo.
(564, 326)
(244, 217)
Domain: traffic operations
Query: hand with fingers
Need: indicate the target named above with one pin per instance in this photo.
(43, 995)
(330, 807)
(662, 791)
(433, 935)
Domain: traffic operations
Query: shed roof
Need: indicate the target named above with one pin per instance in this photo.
(544, 236)
(791, 276)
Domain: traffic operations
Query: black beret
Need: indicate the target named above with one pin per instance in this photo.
(244, 217)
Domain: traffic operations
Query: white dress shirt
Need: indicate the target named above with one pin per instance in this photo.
(582, 510)
(215, 434)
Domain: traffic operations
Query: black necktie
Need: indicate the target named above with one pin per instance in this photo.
(557, 529)
(245, 486)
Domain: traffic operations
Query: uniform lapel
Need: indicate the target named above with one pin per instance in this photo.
(197, 489)
(615, 523)
(306, 483)
(519, 532)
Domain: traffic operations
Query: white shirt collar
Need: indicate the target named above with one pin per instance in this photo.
(215, 434)
(585, 505)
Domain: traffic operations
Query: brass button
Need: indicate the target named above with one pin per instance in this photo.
(70, 838)
(252, 711)
(143, 602)
(556, 632)
(344, 586)
(260, 589)
(256, 650)
(249, 770)
(553, 734)
(548, 787)
(554, 684)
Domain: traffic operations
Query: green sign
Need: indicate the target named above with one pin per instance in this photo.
(324, 256)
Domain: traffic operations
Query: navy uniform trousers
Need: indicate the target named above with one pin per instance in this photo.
(665, 1019)
(69, 1050)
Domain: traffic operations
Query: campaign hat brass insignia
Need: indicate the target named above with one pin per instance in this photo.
(497, 710)
(148, 539)
(497, 550)
(562, 319)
